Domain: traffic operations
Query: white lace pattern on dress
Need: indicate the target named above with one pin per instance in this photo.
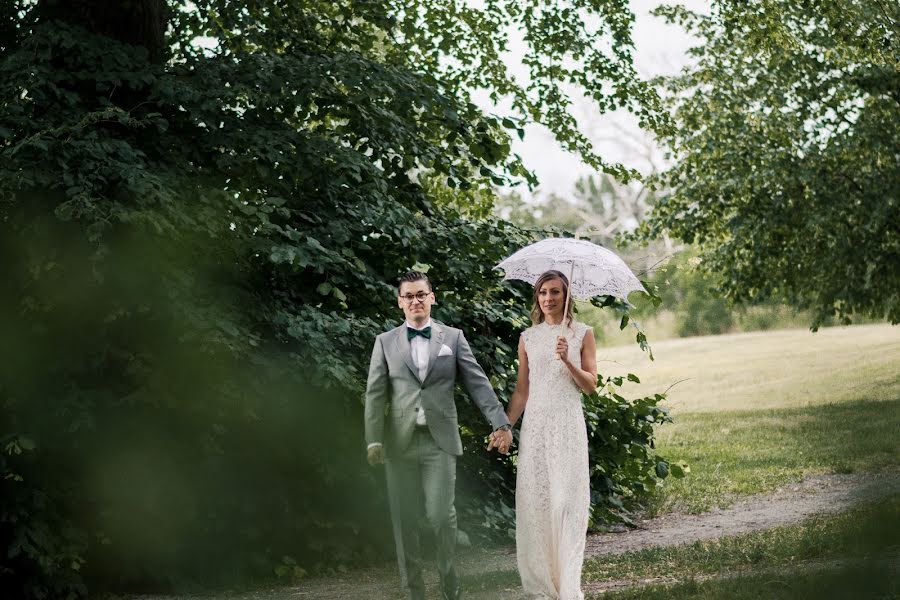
(553, 485)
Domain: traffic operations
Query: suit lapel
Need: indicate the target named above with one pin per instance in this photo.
(403, 347)
(434, 346)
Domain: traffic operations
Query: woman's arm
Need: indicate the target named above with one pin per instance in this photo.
(520, 395)
(585, 375)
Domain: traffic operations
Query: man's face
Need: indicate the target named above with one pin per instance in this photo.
(415, 299)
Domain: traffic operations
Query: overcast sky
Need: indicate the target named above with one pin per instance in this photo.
(659, 49)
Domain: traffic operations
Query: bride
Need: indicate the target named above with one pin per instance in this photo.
(557, 361)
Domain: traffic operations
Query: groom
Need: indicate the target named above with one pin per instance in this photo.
(412, 373)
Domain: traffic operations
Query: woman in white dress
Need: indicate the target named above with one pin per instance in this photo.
(557, 360)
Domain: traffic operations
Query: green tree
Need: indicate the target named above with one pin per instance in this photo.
(787, 153)
(692, 296)
(203, 210)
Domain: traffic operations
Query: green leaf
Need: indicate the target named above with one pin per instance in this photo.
(662, 469)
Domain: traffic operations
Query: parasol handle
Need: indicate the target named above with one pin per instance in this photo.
(562, 324)
(568, 293)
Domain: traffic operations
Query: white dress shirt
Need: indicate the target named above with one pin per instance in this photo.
(419, 348)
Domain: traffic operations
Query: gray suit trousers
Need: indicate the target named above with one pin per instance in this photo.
(422, 470)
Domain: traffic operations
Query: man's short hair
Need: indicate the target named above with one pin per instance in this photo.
(411, 276)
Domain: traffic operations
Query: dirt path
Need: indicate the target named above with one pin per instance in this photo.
(790, 504)
(819, 495)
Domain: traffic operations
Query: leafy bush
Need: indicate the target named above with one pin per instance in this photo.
(198, 254)
(625, 468)
(691, 294)
(188, 314)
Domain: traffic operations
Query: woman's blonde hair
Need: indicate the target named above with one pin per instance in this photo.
(537, 315)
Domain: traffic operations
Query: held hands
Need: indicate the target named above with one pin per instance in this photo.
(501, 439)
(376, 455)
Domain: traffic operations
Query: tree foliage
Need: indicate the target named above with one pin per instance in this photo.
(788, 153)
(202, 238)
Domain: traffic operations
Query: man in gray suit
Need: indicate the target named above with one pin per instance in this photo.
(411, 427)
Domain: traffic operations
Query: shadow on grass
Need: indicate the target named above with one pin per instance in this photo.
(754, 451)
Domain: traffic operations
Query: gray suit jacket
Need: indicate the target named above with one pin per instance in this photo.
(394, 385)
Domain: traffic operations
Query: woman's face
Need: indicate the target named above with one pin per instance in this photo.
(551, 297)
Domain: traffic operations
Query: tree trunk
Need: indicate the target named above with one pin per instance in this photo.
(135, 22)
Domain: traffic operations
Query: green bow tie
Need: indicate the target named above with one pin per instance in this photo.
(425, 333)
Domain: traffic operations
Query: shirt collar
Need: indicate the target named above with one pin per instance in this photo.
(410, 326)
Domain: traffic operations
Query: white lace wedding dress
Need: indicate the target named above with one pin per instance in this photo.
(553, 485)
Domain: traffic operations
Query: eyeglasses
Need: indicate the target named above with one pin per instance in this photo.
(420, 296)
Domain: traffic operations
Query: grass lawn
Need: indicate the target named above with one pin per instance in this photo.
(757, 410)
(737, 453)
(864, 533)
(773, 369)
(856, 581)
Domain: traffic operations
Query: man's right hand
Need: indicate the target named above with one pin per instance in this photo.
(376, 455)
